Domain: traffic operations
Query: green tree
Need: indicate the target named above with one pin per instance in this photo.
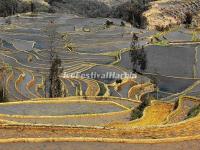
(8, 7)
(138, 112)
(56, 70)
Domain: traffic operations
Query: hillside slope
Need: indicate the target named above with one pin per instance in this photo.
(165, 13)
(127, 10)
(10, 7)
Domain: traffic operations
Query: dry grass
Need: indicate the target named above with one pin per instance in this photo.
(153, 115)
(180, 114)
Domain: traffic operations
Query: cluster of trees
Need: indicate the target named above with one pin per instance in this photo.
(11, 7)
(138, 112)
(8, 7)
(138, 56)
(130, 11)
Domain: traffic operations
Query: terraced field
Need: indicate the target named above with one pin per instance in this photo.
(96, 112)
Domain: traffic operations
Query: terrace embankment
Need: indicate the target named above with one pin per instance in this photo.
(92, 111)
(100, 146)
(152, 130)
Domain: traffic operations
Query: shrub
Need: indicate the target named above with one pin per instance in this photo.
(122, 24)
(193, 112)
(188, 18)
(51, 10)
(109, 23)
(102, 89)
(119, 81)
(138, 112)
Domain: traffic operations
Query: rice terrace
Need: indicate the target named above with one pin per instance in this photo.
(99, 74)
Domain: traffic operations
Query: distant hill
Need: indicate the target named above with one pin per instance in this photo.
(129, 10)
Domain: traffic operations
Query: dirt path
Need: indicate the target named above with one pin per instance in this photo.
(192, 145)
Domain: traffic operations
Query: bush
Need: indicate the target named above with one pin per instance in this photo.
(162, 28)
(193, 112)
(119, 81)
(51, 10)
(90, 8)
(102, 89)
(188, 18)
(8, 7)
(11, 7)
(122, 24)
(138, 112)
(109, 23)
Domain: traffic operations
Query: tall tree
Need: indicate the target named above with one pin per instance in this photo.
(56, 70)
(53, 82)
(138, 55)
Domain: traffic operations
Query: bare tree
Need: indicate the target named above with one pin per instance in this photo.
(53, 82)
(52, 38)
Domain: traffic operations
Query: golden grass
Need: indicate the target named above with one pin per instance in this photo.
(182, 110)
(153, 115)
(175, 132)
(104, 140)
(156, 17)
